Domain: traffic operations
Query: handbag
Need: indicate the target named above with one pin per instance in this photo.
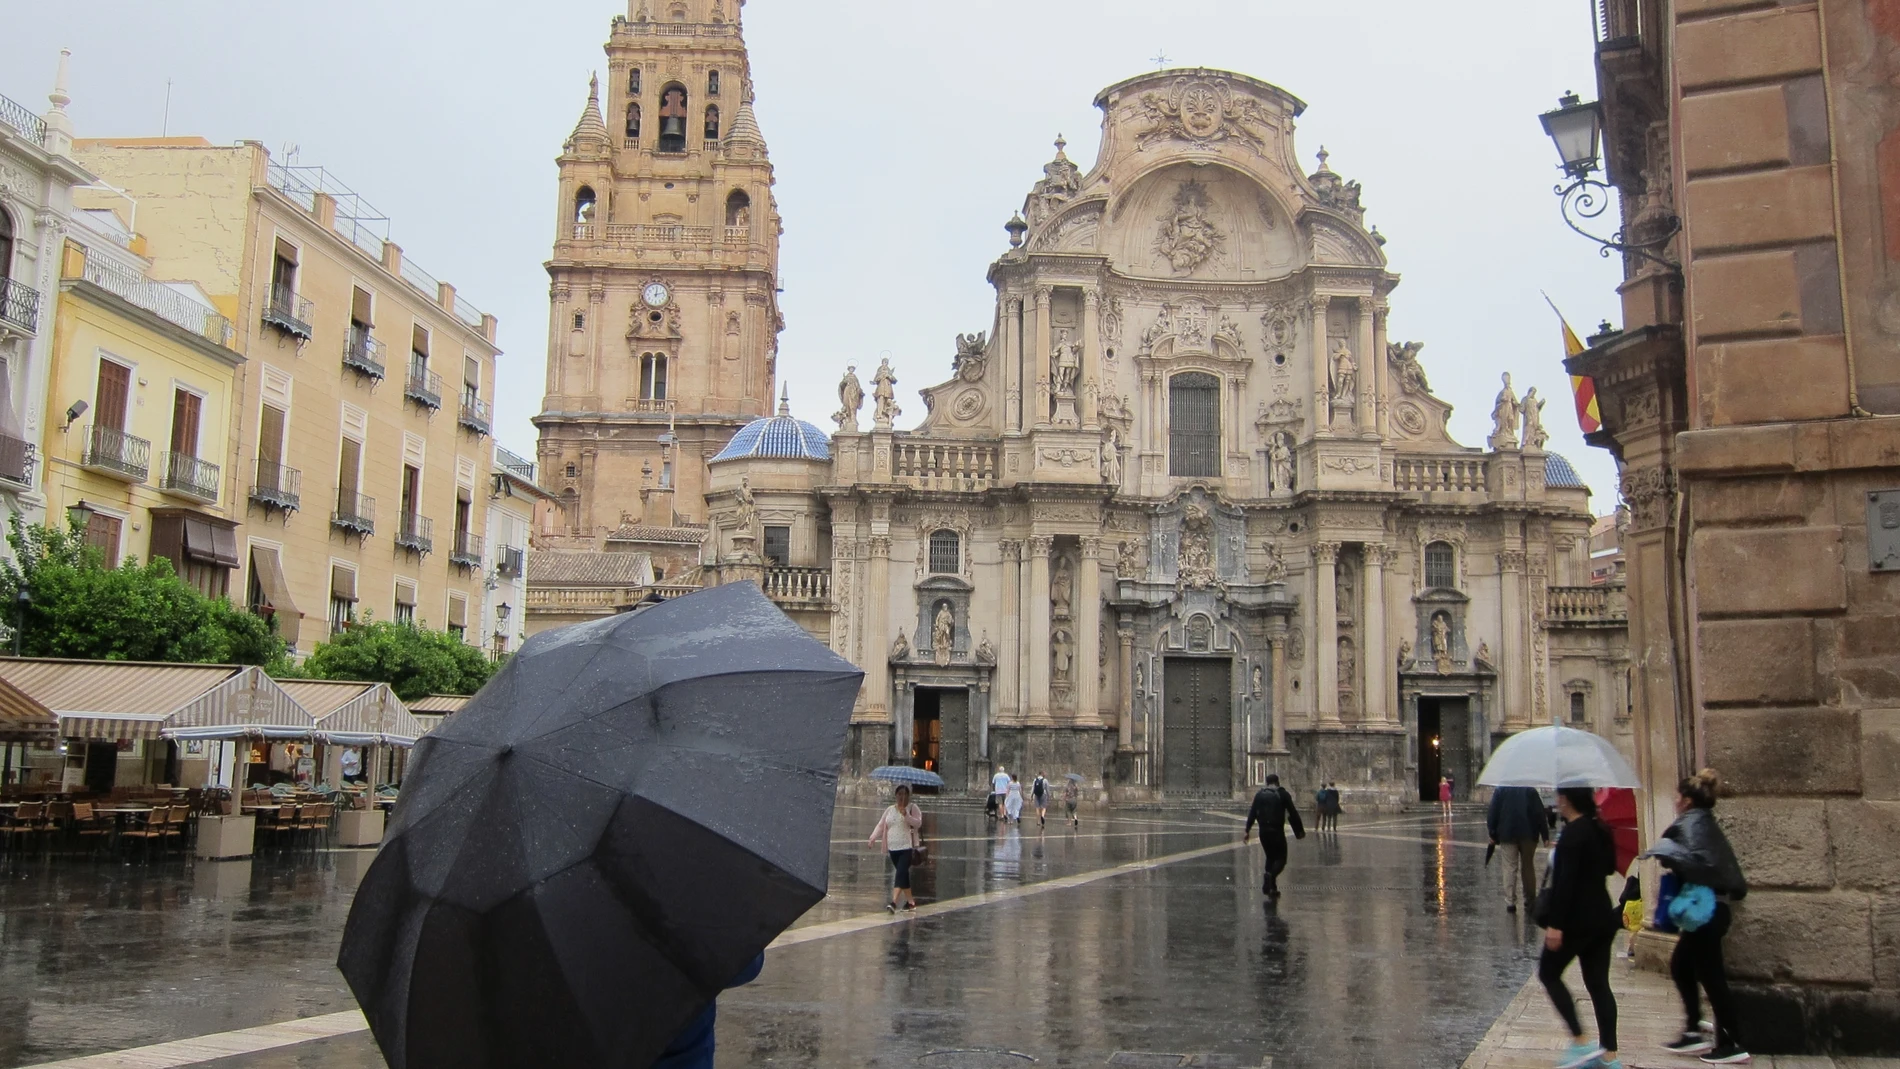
(1667, 889)
(1545, 905)
(918, 854)
(1693, 907)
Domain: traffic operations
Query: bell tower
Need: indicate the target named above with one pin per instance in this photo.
(663, 322)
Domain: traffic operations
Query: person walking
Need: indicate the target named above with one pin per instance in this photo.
(1013, 800)
(1695, 849)
(1331, 823)
(900, 829)
(1444, 797)
(1039, 790)
(1070, 794)
(999, 786)
(1515, 821)
(1273, 809)
(1580, 925)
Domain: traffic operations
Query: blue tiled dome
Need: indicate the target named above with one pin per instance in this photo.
(781, 436)
(1557, 473)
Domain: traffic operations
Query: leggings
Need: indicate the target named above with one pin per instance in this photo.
(1593, 959)
(1698, 960)
(900, 860)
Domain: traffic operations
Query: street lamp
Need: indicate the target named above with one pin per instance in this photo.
(20, 602)
(79, 516)
(1576, 128)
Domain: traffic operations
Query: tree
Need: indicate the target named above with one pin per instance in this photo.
(81, 608)
(414, 661)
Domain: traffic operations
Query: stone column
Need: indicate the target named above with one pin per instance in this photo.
(1009, 656)
(1512, 654)
(1036, 609)
(1088, 634)
(1322, 373)
(1326, 628)
(1382, 382)
(1024, 599)
(1013, 364)
(1377, 703)
(1370, 364)
(878, 635)
(1276, 639)
(1038, 361)
(1125, 720)
(1091, 384)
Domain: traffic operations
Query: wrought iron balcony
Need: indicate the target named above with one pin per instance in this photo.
(519, 466)
(510, 562)
(19, 304)
(182, 473)
(416, 533)
(288, 312)
(355, 513)
(277, 487)
(364, 354)
(172, 305)
(423, 386)
(18, 458)
(467, 552)
(475, 413)
(116, 453)
(21, 118)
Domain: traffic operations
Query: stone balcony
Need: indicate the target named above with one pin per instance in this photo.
(1606, 604)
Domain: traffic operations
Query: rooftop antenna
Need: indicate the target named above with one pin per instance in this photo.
(1159, 59)
(291, 149)
(165, 124)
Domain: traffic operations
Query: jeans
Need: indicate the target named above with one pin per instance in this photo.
(1593, 959)
(1698, 961)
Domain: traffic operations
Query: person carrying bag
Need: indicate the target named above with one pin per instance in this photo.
(1696, 852)
(900, 829)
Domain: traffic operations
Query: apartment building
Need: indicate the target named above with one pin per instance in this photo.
(512, 497)
(360, 440)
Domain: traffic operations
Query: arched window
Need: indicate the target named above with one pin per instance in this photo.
(738, 208)
(1576, 707)
(1441, 572)
(712, 83)
(633, 82)
(633, 121)
(712, 122)
(6, 245)
(946, 553)
(584, 206)
(1194, 424)
(673, 118)
(653, 376)
(678, 13)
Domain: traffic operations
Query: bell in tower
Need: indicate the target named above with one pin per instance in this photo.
(673, 119)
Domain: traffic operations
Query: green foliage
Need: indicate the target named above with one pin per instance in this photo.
(81, 608)
(414, 661)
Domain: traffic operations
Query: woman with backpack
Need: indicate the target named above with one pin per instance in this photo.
(1580, 925)
(1040, 791)
(1696, 851)
(901, 831)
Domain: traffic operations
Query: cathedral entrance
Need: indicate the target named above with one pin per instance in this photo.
(1197, 727)
(940, 734)
(1444, 746)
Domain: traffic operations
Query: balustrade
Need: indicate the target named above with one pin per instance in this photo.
(1439, 475)
(1582, 604)
(798, 584)
(944, 465)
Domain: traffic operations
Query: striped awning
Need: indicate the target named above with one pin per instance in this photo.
(22, 719)
(106, 727)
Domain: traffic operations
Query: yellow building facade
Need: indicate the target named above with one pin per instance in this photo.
(141, 389)
(358, 443)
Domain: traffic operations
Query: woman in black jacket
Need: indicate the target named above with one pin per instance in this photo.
(1580, 924)
(1695, 849)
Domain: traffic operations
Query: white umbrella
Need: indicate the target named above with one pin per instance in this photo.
(1557, 757)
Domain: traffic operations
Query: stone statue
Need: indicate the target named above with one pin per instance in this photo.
(900, 649)
(1280, 472)
(1346, 586)
(972, 356)
(1504, 417)
(1062, 588)
(1112, 458)
(1405, 652)
(1062, 655)
(1534, 434)
(1348, 662)
(850, 399)
(1483, 655)
(748, 512)
(1128, 560)
(1229, 332)
(1259, 680)
(1140, 680)
(1065, 365)
(884, 391)
(942, 634)
(1276, 565)
(1404, 357)
(1441, 642)
(985, 650)
(1188, 238)
(1345, 373)
(1196, 558)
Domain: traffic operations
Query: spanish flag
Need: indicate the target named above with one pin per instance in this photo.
(1589, 417)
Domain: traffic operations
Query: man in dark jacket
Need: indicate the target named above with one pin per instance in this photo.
(1516, 822)
(1273, 810)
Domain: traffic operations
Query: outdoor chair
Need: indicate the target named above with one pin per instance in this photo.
(150, 830)
(89, 827)
(283, 827)
(174, 826)
(314, 822)
(21, 825)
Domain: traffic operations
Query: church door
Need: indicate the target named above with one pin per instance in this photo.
(1197, 741)
(954, 752)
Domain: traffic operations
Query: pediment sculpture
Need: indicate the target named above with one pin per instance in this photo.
(1203, 112)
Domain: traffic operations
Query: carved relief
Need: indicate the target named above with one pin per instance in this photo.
(1197, 567)
(1188, 238)
(1650, 495)
(1111, 324)
(1406, 368)
(972, 356)
(1203, 112)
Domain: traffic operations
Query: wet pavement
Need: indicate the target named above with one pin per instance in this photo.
(1142, 932)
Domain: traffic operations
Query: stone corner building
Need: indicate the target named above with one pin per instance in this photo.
(1184, 515)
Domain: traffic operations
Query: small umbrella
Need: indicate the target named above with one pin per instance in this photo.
(1617, 808)
(602, 839)
(908, 776)
(1074, 776)
(1557, 756)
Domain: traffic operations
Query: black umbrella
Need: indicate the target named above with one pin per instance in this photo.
(602, 838)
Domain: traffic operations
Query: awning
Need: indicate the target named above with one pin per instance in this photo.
(356, 714)
(250, 705)
(114, 699)
(208, 543)
(22, 719)
(269, 571)
(109, 728)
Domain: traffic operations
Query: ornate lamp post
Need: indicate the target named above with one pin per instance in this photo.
(1576, 128)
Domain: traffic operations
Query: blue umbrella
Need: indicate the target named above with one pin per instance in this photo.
(913, 777)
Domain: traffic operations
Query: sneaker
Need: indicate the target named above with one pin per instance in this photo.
(1728, 1054)
(1580, 1056)
(1613, 1063)
(890, 907)
(1690, 1043)
(910, 907)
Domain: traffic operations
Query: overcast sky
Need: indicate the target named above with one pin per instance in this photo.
(904, 134)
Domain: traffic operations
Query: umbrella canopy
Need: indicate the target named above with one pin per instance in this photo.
(1556, 756)
(602, 839)
(1074, 776)
(1616, 806)
(904, 774)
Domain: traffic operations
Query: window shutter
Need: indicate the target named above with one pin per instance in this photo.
(108, 404)
(458, 611)
(342, 583)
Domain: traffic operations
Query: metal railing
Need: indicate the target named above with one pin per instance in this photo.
(423, 386)
(159, 299)
(356, 218)
(18, 458)
(471, 316)
(1438, 475)
(416, 533)
(288, 312)
(467, 551)
(115, 452)
(799, 585)
(19, 304)
(514, 463)
(185, 474)
(364, 354)
(22, 118)
(355, 513)
(510, 561)
(944, 465)
(476, 414)
(425, 283)
(277, 487)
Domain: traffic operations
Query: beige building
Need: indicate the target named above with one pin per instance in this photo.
(1186, 513)
(1752, 400)
(360, 441)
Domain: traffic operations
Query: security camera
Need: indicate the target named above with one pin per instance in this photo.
(73, 413)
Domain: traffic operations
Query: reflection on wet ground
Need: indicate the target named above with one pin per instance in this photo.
(1390, 948)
